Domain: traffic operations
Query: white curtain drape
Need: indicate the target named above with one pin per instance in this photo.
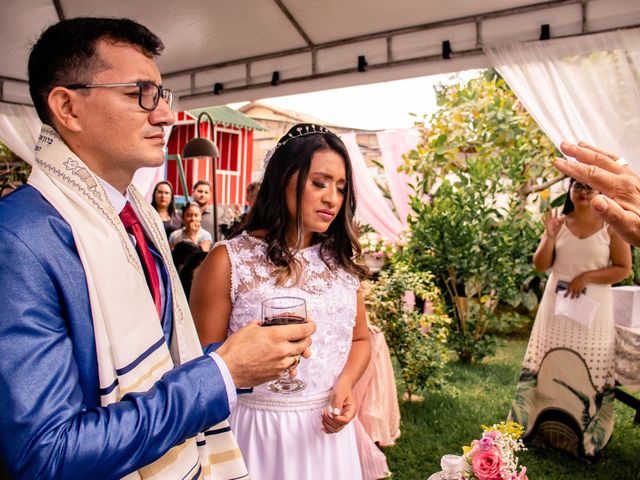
(145, 179)
(584, 88)
(19, 129)
(372, 207)
(393, 145)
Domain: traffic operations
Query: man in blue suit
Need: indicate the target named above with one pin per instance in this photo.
(96, 87)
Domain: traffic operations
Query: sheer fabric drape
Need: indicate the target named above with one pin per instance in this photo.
(372, 207)
(19, 130)
(584, 88)
(393, 145)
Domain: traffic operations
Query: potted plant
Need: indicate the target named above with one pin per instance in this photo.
(375, 250)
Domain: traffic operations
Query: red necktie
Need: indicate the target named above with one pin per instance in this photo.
(132, 225)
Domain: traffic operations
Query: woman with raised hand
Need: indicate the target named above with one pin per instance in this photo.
(564, 397)
(299, 241)
(192, 230)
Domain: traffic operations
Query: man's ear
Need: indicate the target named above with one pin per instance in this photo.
(62, 107)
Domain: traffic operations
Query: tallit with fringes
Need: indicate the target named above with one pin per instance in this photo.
(131, 362)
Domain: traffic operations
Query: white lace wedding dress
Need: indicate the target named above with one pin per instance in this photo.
(280, 434)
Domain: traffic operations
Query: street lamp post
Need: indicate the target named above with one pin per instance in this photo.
(203, 147)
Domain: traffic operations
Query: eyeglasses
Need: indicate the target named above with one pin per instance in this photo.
(581, 186)
(148, 92)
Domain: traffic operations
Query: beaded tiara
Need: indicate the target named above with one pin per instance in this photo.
(300, 130)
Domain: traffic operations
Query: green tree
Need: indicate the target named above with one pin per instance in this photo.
(481, 165)
(12, 168)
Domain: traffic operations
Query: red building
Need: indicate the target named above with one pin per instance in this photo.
(232, 134)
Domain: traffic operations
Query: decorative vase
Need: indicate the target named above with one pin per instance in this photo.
(373, 262)
(451, 467)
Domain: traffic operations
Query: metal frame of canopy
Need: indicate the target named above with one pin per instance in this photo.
(311, 60)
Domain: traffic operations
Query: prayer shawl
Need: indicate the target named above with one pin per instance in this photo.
(125, 320)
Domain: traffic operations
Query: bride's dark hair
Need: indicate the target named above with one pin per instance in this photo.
(568, 206)
(339, 244)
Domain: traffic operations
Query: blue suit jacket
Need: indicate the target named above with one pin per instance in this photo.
(51, 421)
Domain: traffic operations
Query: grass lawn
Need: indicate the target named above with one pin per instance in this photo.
(450, 418)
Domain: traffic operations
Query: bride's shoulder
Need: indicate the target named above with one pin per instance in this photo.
(245, 238)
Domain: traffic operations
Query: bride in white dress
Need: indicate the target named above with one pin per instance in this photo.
(299, 241)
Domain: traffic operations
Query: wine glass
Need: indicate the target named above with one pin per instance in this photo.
(284, 311)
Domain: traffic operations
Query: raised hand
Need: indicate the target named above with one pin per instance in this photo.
(552, 222)
(193, 226)
(619, 200)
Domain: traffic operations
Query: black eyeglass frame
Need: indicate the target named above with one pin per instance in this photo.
(582, 186)
(140, 84)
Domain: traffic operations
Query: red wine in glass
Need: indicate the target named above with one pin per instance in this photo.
(283, 319)
(284, 311)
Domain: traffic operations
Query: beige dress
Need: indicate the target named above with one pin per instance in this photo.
(565, 394)
(378, 419)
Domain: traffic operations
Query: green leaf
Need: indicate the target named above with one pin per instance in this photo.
(558, 201)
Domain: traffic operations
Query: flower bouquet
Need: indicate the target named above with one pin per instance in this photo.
(493, 457)
(374, 250)
(376, 246)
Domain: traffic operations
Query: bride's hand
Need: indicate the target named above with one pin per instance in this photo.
(342, 409)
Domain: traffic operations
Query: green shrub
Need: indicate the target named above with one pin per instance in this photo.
(480, 168)
(417, 340)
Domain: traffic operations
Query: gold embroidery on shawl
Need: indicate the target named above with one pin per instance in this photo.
(93, 192)
(74, 166)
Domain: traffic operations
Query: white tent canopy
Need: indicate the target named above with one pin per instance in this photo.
(312, 44)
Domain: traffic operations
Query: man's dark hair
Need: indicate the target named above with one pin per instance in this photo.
(201, 182)
(65, 53)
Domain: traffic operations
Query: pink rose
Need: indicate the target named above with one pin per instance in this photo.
(487, 464)
(494, 434)
(486, 442)
(520, 476)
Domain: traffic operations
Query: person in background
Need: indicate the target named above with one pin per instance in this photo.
(378, 419)
(300, 241)
(201, 194)
(564, 398)
(181, 252)
(252, 194)
(192, 231)
(101, 372)
(162, 201)
(618, 202)
(228, 218)
(237, 225)
(189, 269)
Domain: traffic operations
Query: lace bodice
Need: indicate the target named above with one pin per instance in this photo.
(330, 293)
